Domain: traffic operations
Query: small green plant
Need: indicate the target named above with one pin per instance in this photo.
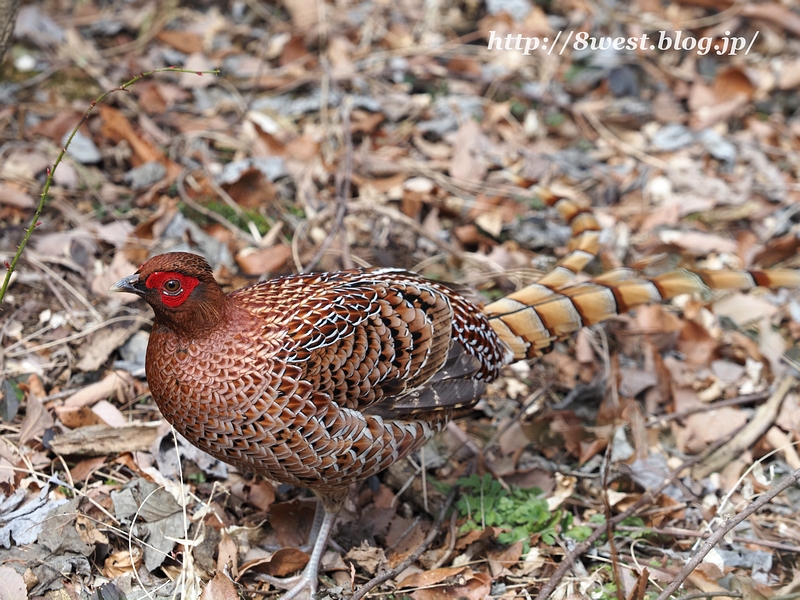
(578, 532)
(240, 220)
(484, 503)
(554, 120)
(296, 211)
(197, 478)
(532, 202)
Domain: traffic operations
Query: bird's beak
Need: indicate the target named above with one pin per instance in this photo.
(128, 284)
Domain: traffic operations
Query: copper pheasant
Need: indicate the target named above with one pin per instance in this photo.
(321, 380)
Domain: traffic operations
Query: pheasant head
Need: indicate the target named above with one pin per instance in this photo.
(182, 291)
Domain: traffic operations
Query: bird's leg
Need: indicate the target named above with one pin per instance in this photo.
(308, 578)
(319, 514)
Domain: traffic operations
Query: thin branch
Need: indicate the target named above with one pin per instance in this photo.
(411, 558)
(738, 401)
(648, 497)
(678, 532)
(10, 266)
(720, 533)
(344, 177)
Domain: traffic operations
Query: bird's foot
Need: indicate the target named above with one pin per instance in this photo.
(296, 585)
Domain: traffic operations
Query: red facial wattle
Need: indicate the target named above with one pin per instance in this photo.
(161, 280)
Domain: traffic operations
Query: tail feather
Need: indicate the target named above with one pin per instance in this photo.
(530, 320)
(583, 245)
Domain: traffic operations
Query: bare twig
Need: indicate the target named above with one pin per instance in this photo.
(648, 497)
(230, 202)
(10, 266)
(210, 214)
(606, 483)
(717, 536)
(344, 180)
(689, 533)
(748, 399)
(411, 558)
(762, 420)
(69, 287)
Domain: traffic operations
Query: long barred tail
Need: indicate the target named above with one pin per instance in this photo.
(582, 246)
(530, 320)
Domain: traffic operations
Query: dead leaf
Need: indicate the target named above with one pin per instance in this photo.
(733, 82)
(403, 539)
(260, 494)
(369, 558)
(304, 13)
(701, 243)
(37, 418)
(102, 343)
(700, 430)
(120, 267)
(285, 562)
(428, 578)
(477, 586)
(7, 471)
(339, 53)
(220, 588)
(80, 416)
(55, 128)
(117, 384)
(117, 127)
(122, 562)
(83, 470)
(744, 309)
(264, 261)
(227, 557)
(12, 585)
(291, 522)
(466, 165)
(11, 196)
(501, 561)
(775, 13)
(294, 50)
(564, 488)
(183, 41)
(88, 531)
(697, 344)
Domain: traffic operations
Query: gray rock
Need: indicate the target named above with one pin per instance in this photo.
(145, 175)
(82, 148)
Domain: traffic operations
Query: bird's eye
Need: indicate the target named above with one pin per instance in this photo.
(172, 286)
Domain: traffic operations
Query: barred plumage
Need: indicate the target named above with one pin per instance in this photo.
(321, 380)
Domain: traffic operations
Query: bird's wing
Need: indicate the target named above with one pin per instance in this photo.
(384, 341)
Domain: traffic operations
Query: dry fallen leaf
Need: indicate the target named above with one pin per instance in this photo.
(285, 562)
(116, 384)
(122, 562)
(37, 418)
(12, 585)
(264, 261)
(228, 553)
(501, 561)
(80, 416)
(465, 163)
(220, 588)
(369, 558)
(431, 577)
